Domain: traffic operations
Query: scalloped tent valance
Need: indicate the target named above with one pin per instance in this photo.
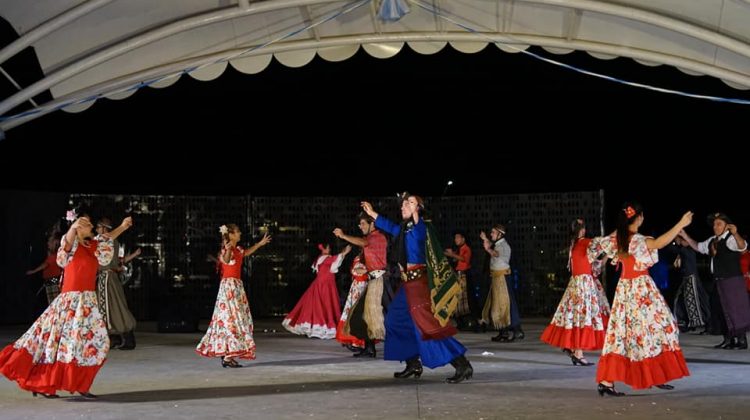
(99, 47)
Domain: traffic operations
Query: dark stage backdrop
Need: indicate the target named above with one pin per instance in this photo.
(177, 234)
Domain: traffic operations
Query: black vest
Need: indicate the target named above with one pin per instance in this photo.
(726, 262)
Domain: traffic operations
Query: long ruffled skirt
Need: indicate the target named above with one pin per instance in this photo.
(64, 348)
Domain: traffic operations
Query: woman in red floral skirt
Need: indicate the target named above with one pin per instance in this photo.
(230, 333)
(68, 344)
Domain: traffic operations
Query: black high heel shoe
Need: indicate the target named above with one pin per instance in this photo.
(665, 386)
(352, 348)
(413, 367)
(88, 395)
(569, 352)
(232, 363)
(609, 390)
(582, 361)
(45, 395)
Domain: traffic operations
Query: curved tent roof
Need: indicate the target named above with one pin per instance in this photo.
(94, 48)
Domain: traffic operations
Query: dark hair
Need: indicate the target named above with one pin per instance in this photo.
(364, 216)
(323, 244)
(105, 222)
(231, 227)
(629, 211)
(90, 219)
(576, 226)
(420, 202)
(463, 235)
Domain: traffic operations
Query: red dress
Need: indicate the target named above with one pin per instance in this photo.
(583, 313)
(318, 310)
(68, 344)
(52, 270)
(641, 346)
(230, 332)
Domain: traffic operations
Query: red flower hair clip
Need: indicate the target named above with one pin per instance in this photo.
(629, 211)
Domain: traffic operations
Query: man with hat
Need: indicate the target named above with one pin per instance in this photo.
(733, 306)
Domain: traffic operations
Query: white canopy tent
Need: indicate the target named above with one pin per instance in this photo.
(92, 48)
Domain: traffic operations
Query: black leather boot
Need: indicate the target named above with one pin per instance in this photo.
(128, 342)
(724, 344)
(732, 344)
(502, 335)
(413, 367)
(115, 341)
(463, 370)
(368, 351)
(741, 342)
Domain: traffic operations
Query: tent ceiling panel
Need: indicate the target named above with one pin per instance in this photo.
(166, 82)
(383, 49)
(336, 54)
(252, 65)
(428, 48)
(468, 47)
(209, 72)
(623, 32)
(120, 40)
(295, 58)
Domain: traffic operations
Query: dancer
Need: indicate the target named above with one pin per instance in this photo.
(732, 309)
(691, 303)
(581, 317)
(463, 268)
(356, 291)
(641, 347)
(317, 312)
(366, 321)
(67, 345)
(497, 307)
(230, 332)
(51, 272)
(418, 319)
(113, 304)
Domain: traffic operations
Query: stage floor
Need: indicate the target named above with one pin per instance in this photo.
(295, 377)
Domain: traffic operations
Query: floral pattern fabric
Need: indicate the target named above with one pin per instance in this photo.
(641, 347)
(356, 290)
(230, 332)
(105, 250)
(70, 330)
(581, 317)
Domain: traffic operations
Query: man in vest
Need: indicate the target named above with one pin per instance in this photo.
(733, 309)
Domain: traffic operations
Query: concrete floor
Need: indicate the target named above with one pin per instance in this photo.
(295, 377)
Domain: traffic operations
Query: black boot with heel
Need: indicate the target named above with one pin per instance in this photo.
(368, 351)
(464, 370)
(413, 367)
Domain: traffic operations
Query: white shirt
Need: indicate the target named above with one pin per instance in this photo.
(334, 267)
(502, 261)
(731, 244)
